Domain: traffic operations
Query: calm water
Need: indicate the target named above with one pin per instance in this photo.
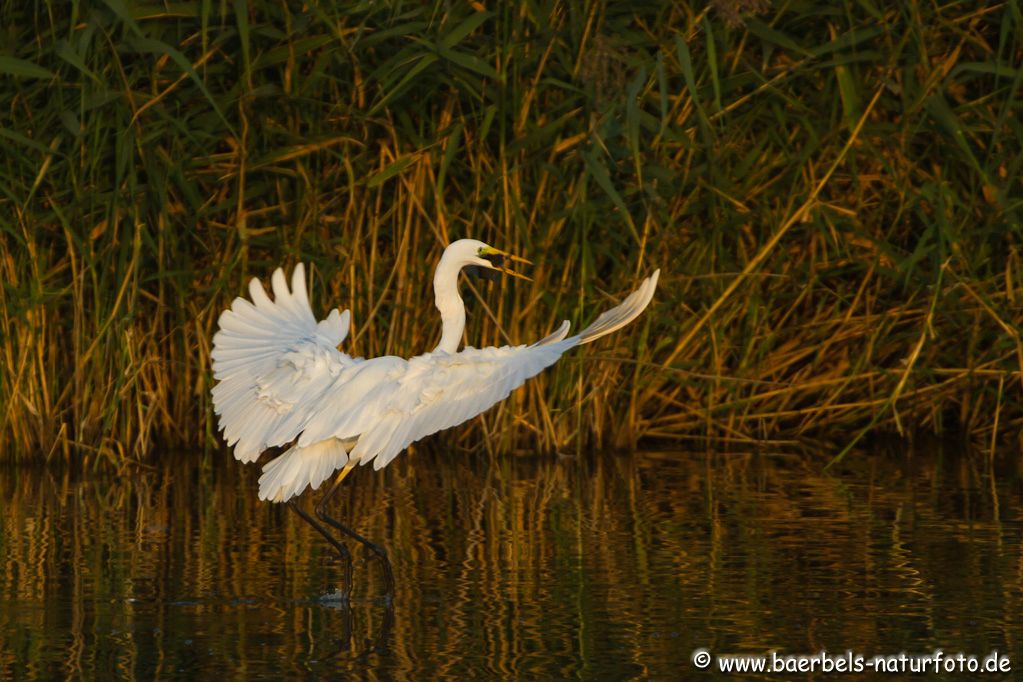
(536, 568)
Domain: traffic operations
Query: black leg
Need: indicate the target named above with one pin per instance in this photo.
(321, 513)
(342, 550)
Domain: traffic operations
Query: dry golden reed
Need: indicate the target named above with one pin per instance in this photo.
(833, 199)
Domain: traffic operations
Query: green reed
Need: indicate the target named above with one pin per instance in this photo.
(832, 193)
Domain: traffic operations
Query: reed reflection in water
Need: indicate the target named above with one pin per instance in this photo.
(616, 567)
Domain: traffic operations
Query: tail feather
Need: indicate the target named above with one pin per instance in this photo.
(289, 474)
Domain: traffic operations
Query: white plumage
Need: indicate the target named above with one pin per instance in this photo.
(282, 380)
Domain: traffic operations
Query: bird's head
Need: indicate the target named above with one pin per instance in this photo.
(482, 259)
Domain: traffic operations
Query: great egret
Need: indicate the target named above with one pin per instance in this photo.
(283, 381)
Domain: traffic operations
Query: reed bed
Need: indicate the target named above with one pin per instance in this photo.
(832, 194)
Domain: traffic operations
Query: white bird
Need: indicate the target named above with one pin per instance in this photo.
(281, 380)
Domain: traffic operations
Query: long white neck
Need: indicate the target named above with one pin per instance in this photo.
(449, 303)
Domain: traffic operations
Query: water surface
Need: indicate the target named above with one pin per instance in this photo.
(616, 567)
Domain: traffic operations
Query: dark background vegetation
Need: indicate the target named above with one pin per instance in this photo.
(831, 190)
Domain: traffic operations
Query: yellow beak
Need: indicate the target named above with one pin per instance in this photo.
(496, 257)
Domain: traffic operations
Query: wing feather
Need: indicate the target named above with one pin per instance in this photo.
(272, 361)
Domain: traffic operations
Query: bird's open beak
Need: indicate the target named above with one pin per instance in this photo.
(498, 260)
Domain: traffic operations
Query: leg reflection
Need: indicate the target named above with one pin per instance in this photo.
(378, 643)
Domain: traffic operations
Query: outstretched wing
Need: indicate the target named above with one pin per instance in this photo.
(436, 391)
(272, 360)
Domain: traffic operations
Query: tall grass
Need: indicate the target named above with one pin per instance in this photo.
(832, 193)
